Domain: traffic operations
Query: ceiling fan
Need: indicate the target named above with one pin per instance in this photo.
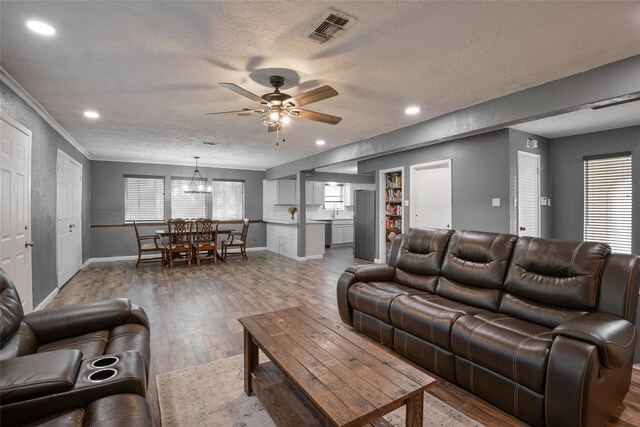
(278, 109)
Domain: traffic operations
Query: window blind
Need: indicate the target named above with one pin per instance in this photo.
(143, 198)
(185, 205)
(607, 201)
(227, 200)
(334, 196)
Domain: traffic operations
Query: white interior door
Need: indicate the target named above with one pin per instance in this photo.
(68, 217)
(431, 196)
(528, 194)
(15, 208)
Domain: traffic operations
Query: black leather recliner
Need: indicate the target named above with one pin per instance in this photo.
(73, 365)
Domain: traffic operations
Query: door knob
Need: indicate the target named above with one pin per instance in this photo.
(27, 244)
(523, 228)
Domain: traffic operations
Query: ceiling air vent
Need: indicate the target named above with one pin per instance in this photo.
(331, 25)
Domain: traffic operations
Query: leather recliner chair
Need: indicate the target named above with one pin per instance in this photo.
(53, 362)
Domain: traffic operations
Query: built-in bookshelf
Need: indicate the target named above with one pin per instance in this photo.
(393, 206)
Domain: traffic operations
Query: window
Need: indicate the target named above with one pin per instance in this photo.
(143, 198)
(607, 200)
(185, 205)
(227, 200)
(334, 196)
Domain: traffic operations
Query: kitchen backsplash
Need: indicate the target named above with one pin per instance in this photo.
(313, 212)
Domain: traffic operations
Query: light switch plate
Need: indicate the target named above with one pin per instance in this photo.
(549, 201)
(495, 201)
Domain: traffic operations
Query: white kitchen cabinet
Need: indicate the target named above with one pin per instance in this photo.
(348, 233)
(347, 194)
(314, 193)
(341, 232)
(350, 189)
(318, 193)
(286, 192)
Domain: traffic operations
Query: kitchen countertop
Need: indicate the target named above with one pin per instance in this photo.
(288, 222)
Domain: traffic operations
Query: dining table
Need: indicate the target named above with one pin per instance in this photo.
(164, 232)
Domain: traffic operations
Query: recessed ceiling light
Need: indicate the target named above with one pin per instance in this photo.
(412, 110)
(320, 142)
(41, 28)
(91, 114)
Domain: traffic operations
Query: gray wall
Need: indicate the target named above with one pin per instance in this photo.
(44, 149)
(107, 203)
(568, 178)
(545, 100)
(518, 142)
(480, 172)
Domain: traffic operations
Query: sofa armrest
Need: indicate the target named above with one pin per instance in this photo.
(39, 374)
(77, 319)
(613, 336)
(372, 272)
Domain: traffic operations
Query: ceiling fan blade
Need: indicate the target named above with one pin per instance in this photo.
(240, 91)
(314, 95)
(273, 128)
(243, 112)
(318, 117)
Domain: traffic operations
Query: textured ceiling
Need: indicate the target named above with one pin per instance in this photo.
(151, 68)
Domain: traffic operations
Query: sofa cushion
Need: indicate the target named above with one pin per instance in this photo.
(516, 349)
(429, 317)
(474, 267)
(420, 258)
(548, 273)
(375, 298)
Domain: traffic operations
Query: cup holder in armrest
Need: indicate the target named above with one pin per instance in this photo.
(103, 362)
(102, 375)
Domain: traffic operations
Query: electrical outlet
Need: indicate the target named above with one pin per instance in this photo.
(495, 201)
(406, 202)
(543, 201)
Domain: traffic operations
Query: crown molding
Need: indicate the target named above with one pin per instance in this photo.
(22, 93)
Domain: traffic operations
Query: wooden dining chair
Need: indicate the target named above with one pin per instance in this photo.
(179, 241)
(205, 240)
(236, 240)
(148, 247)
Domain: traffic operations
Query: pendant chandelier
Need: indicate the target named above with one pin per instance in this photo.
(196, 186)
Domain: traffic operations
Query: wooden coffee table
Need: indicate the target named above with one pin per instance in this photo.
(322, 373)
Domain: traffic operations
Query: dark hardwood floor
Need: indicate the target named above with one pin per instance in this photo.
(194, 311)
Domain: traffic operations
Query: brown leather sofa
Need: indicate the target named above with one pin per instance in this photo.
(78, 362)
(542, 328)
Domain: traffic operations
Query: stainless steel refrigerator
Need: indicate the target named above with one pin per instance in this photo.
(364, 217)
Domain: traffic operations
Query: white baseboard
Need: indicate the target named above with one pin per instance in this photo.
(134, 257)
(47, 300)
(378, 261)
(315, 257)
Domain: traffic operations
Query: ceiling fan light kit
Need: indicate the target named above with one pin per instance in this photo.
(196, 186)
(279, 109)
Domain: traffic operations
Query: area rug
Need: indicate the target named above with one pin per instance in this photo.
(213, 395)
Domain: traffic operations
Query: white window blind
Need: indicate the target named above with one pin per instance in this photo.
(185, 205)
(143, 198)
(227, 200)
(334, 196)
(607, 201)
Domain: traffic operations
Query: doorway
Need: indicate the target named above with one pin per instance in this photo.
(68, 217)
(431, 195)
(15, 207)
(528, 194)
